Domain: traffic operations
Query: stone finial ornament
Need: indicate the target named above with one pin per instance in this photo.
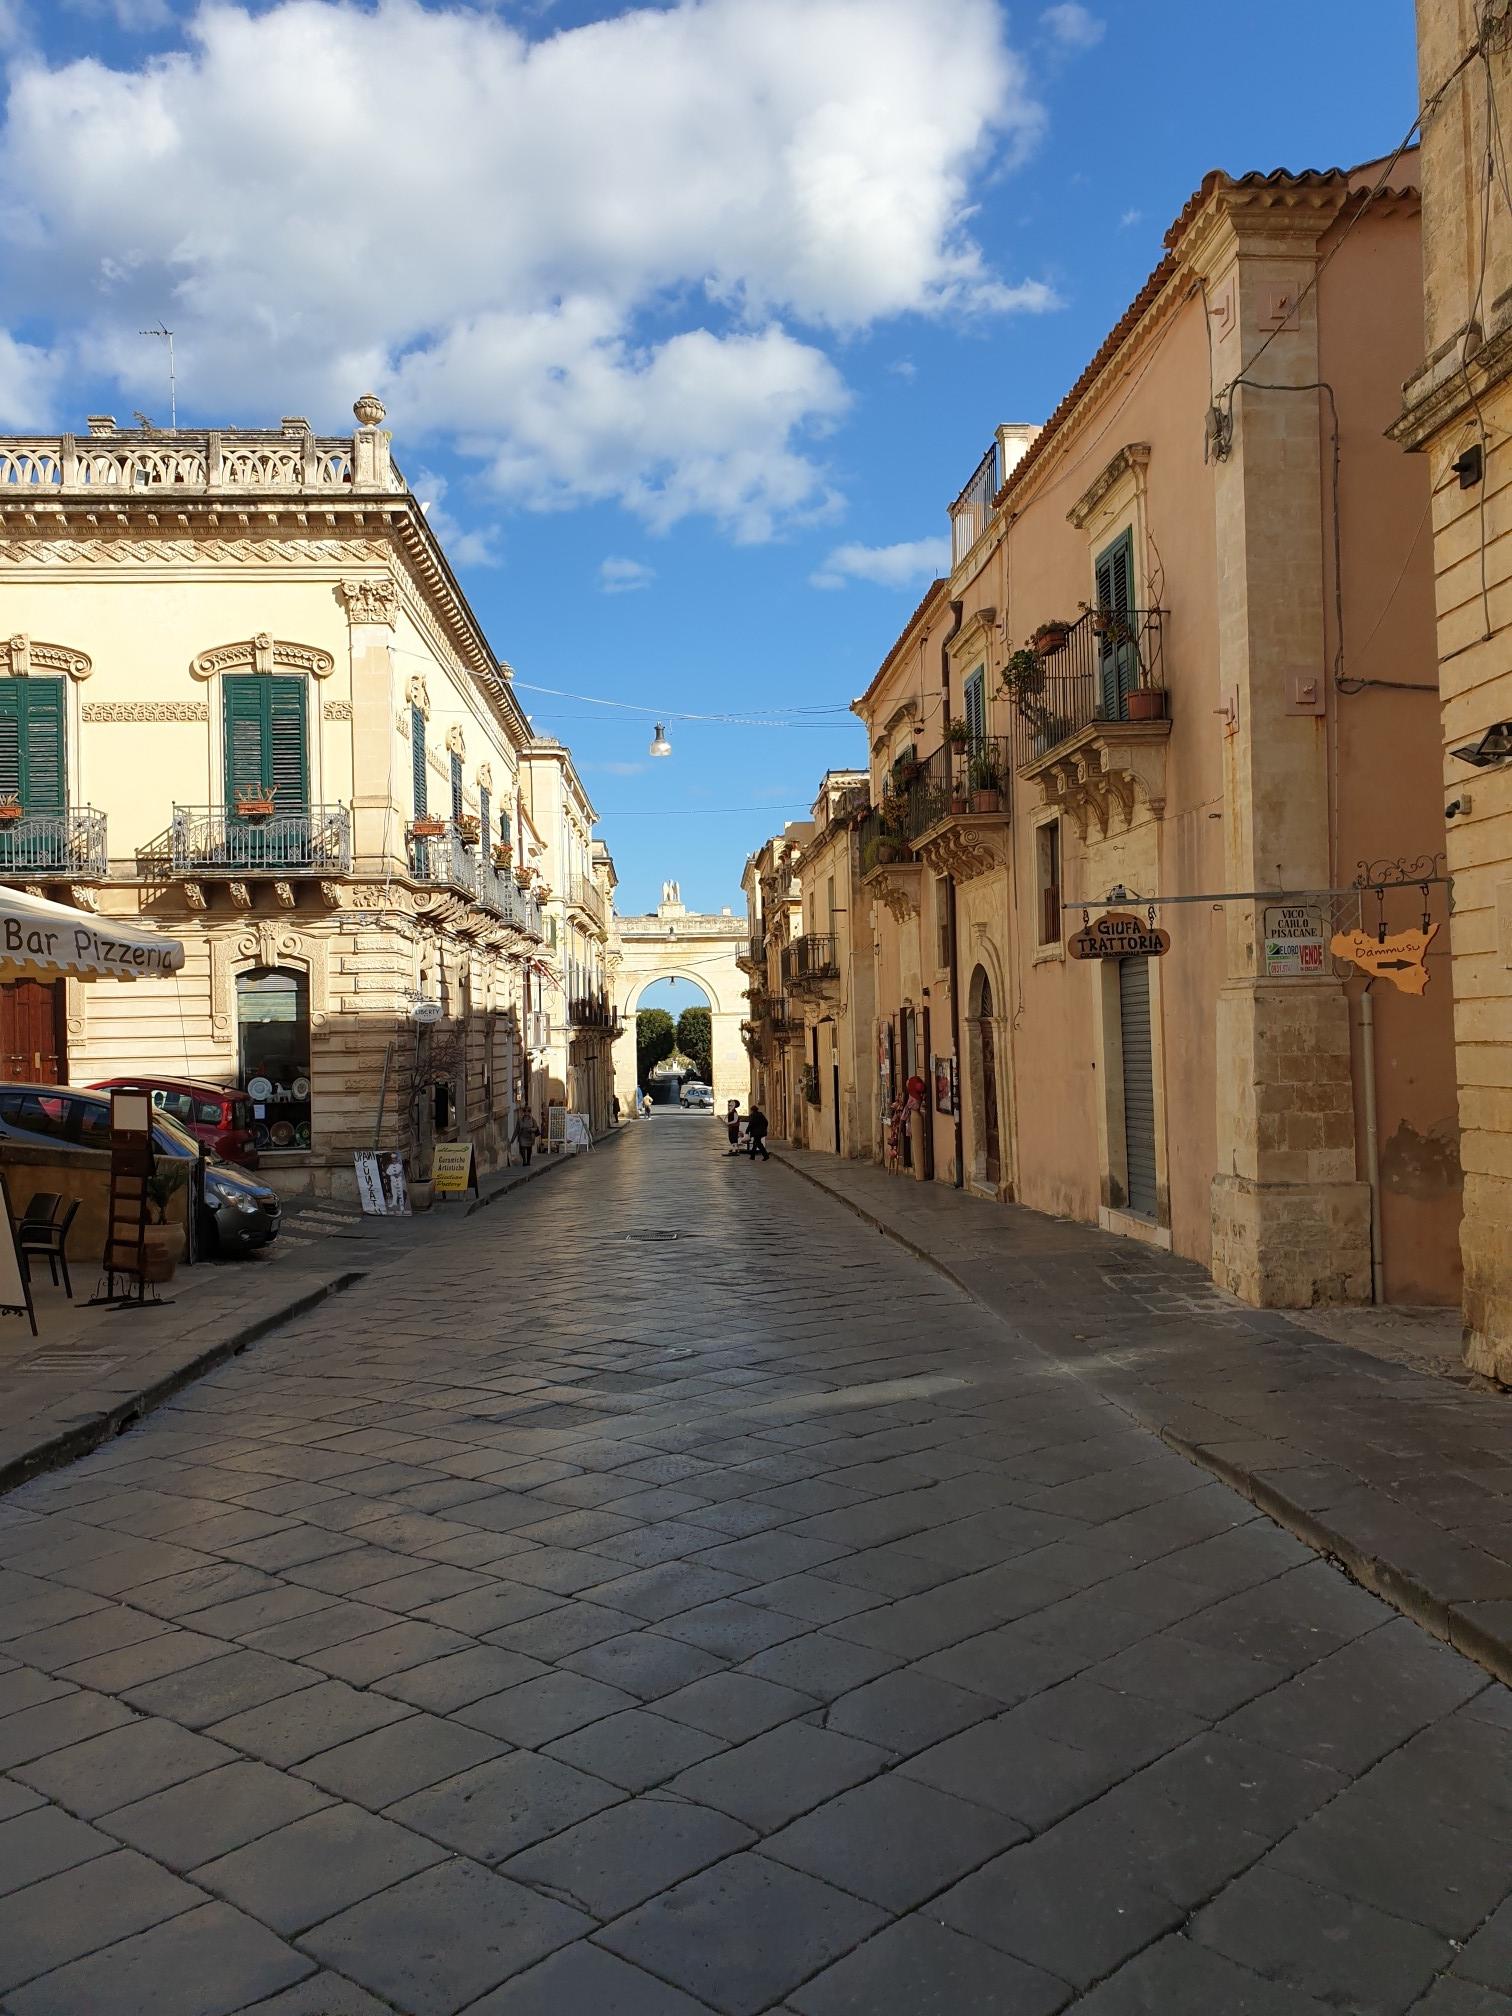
(370, 410)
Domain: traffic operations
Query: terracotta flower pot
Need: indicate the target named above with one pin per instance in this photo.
(986, 801)
(1147, 703)
(1050, 638)
(427, 828)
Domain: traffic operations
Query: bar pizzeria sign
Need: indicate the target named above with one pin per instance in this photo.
(1119, 934)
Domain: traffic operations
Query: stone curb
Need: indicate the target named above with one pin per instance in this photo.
(1488, 1645)
(88, 1433)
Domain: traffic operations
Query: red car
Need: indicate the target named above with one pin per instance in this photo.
(218, 1115)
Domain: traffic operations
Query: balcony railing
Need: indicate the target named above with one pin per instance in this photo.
(882, 836)
(317, 840)
(780, 1015)
(498, 892)
(585, 895)
(70, 844)
(1104, 659)
(810, 959)
(593, 1011)
(970, 776)
(443, 859)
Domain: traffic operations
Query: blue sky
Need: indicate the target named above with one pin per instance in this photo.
(674, 309)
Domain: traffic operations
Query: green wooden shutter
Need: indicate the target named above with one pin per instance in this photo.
(44, 785)
(288, 771)
(456, 785)
(265, 739)
(32, 765)
(417, 759)
(1118, 658)
(974, 701)
(485, 815)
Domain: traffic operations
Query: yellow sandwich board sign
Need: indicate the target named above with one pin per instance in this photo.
(454, 1168)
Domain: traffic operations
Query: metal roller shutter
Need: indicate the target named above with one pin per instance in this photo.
(1138, 1083)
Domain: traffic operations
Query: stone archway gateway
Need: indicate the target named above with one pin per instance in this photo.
(673, 943)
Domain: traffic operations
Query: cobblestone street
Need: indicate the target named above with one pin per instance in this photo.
(730, 1616)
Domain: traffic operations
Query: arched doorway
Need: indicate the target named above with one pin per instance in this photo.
(677, 1050)
(988, 1154)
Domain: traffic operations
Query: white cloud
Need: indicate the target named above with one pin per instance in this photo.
(903, 367)
(1073, 26)
(1130, 218)
(28, 385)
(474, 547)
(888, 566)
(618, 576)
(607, 262)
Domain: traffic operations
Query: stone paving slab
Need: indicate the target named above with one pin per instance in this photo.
(1403, 1477)
(943, 1683)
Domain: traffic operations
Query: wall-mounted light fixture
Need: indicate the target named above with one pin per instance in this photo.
(1495, 746)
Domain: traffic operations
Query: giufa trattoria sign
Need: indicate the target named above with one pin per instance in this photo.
(1118, 934)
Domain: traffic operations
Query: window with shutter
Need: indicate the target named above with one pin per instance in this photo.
(974, 705)
(265, 739)
(456, 785)
(32, 744)
(1118, 659)
(485, 813)
(417, 761)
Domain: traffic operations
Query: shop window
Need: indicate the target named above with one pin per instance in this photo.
(1047, 853)
(273, 1039)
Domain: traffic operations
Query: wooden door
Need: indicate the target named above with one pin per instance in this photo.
(33, 1032)
(992, 1154)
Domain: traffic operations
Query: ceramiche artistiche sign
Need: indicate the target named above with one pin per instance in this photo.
(1119, 934)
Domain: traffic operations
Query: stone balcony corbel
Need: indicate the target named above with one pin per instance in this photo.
(1105, 765)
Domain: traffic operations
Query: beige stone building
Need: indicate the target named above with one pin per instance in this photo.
(245, 699)
(1174, 677)
(575, 879)
(773, 1030)
(1456, 418)
(702, 947)
(828, 978)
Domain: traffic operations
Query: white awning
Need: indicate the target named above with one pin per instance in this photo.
(53, 941)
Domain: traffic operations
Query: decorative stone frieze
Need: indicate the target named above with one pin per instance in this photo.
(146, 710)
(371, 600)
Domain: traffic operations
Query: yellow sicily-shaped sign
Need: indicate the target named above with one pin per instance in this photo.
(1400, 957)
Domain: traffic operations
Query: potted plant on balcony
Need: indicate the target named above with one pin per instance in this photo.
(1146, 702)
(1050, 636)
(503, 855)
(523, 875)
(470, 828)
(957, 732)
(986, 783)
(254, 803)
(427, 826)
(905, 771)
(11, 808)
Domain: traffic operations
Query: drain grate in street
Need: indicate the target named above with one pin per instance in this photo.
(655, 1238)
(71, 1361)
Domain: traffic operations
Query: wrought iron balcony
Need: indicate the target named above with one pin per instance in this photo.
(754, 955)
(883, 838)
(1106, 661)
(584, 894)
(315, 840)
(42, 844)
(780, 1014)
(443, 859)
(499, 894)
(593, 1011)
(811, 960)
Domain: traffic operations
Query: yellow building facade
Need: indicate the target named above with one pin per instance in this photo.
(1457, 415)
(246, 700)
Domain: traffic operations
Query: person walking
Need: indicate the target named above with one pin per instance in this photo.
(732, 1122)
(524, 1136)
(756, 1133)
(614, 1107)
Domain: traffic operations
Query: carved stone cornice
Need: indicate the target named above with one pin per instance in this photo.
(974, 638)
(896, 886)
(1109, 763)
(263, 654)
(23, 655)
(1134, 455)
(1445, 389)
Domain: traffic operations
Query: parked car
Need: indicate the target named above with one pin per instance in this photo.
(218, 1115)
(695, 1095)
(240, 1214)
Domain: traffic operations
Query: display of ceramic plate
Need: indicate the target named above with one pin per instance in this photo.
(281, 1134)
(301, 1088)
(260, 1134)
(259, 1088)
(302, 1133)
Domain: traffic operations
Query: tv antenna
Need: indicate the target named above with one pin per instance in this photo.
(166, 334)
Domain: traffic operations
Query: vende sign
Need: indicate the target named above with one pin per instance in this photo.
(1119, 934)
